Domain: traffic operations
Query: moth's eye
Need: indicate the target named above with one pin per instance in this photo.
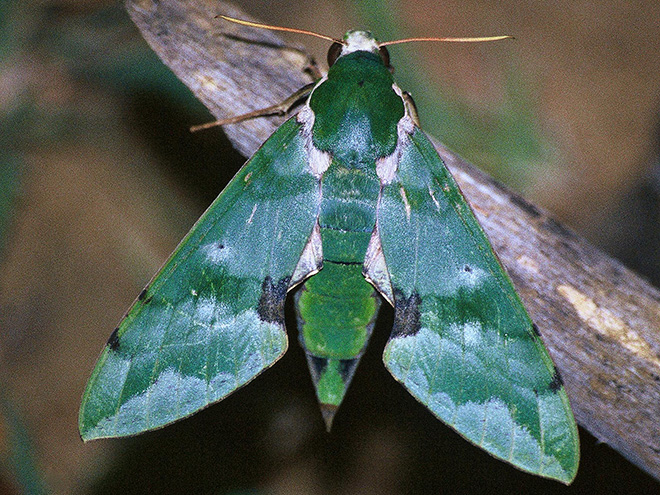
(385, 56)
(333, 53)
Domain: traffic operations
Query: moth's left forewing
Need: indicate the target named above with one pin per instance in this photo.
(462, 342)
(213, 317)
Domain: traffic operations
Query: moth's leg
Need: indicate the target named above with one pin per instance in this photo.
(411, 108)
(279, 109)
(313, 69)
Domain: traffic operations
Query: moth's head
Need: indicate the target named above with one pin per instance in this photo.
(357, 41)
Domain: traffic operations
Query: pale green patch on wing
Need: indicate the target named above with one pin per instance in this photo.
(213, 317)
(462, 342)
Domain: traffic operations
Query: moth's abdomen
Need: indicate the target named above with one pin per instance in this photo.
(337, 307)
(336, 311)
(336, 317)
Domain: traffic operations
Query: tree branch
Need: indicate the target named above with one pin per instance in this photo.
(599, 320)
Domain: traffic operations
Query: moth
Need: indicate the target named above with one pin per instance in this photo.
(349, 202)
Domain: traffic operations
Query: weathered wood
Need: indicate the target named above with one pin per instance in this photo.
(230, 68)
(600, 321)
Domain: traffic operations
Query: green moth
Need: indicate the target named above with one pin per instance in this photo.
(348, 201)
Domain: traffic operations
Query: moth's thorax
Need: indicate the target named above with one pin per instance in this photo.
(356, 109)
(359, 41)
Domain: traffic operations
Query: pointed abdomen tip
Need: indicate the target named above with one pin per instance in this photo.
(328, 411)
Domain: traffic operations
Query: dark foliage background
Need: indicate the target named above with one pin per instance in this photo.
(100, 178)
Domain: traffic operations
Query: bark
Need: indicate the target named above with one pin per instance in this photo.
(599, 320)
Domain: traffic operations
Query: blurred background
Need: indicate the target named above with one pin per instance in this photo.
(100, 178)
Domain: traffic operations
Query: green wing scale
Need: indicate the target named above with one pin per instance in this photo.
(213, 317)
(347, 198)
(462, 342)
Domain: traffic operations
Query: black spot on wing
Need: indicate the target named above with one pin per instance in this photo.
(536, 330)
(406, 314)
(143, 294)
(556, 382)
(271, 302)
(113, 341)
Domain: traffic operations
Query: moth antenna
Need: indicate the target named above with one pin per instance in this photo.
(280, 28)
(451, 40)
